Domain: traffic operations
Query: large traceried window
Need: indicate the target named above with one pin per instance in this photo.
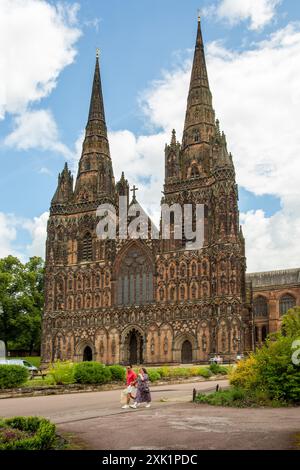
(286, 302)
(135, 278)
(260, 306)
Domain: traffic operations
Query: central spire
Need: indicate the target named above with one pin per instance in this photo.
(96, 130)
(96, 112)
(200, 116)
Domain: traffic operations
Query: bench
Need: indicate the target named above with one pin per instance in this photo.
(39, 373)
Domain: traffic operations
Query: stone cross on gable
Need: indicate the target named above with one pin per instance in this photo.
(134, 189)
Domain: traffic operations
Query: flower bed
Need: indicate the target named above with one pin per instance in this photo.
(30, 433)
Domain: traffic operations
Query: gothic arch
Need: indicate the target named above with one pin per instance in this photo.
(179, 341)
(132, 345)
(80, 347)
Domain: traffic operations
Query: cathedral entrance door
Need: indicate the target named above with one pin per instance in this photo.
(87, 354)
(135, 347)
(186, 353)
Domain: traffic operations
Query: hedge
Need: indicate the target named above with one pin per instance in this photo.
(118, 373)
(12, 376)
(92, 373)
(30, 433)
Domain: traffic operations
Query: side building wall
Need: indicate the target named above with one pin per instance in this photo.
(274, 292)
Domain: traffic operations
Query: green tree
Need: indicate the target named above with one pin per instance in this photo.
(21, 302)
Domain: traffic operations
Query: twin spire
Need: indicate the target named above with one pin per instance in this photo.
(95, 172)
(200, 117)
(96, 111)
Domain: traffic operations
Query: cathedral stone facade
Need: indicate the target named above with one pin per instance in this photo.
(152, 301)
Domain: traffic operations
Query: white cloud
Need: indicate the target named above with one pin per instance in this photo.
(142, 160)
(36, 42)
(11, 225)
(8, 235)
(259, 12)
(45, 171)
(37, 129)
(37, 228)
(271, 242)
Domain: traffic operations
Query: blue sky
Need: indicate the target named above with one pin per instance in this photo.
(145, 48)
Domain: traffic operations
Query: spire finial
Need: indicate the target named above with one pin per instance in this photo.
(97, 53)
(199, 15)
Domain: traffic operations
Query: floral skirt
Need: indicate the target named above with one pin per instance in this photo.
(143, 396)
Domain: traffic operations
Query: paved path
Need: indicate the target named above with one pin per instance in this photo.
(80, 406)
(176, 423)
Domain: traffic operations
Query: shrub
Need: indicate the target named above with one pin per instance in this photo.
(244, 375)
(30, 433)
(164, 371)
(62, 372)
(12, 376)
(118, 373)
(153, 375)
(276, 373)
(179, 372)
(229, 397)
(204, 372)
(238, 397)
(217, 369)
(92, 373)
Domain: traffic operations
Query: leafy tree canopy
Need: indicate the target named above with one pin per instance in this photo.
(21, 302)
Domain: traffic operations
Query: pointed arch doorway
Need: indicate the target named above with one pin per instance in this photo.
(186, 352)
(134, 347)
(87, 354)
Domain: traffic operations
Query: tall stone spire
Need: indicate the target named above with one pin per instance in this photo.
(96, 121)
(95, 173)
(200, 117)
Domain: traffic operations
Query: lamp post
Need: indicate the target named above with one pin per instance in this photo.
(2, 343)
